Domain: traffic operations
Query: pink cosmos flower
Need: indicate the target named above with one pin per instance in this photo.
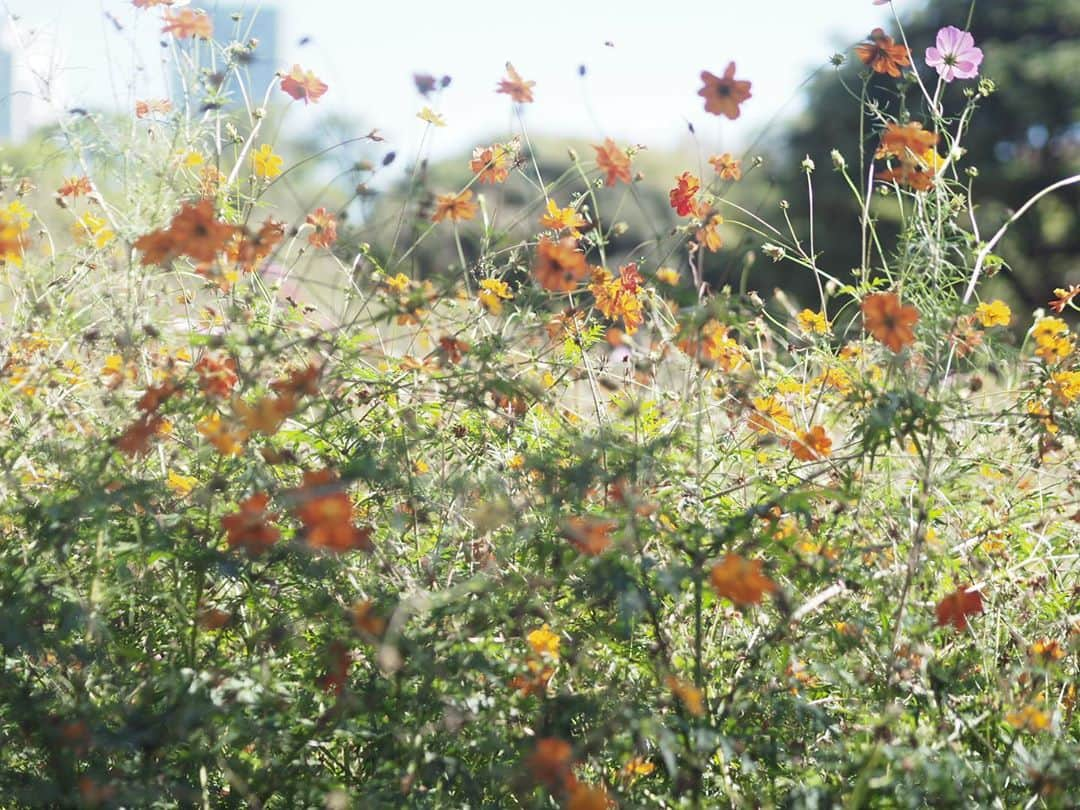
(955, 56)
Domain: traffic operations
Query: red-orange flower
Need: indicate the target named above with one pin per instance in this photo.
(559, 266)
(589, 535)
(726, 166)
(955, 608)
(551, 763)
(455, 207)
(303, 85)
(248, 250)
(491, 164)
(724, 94)
(614, 161)
(812, 445)
(516, 87)
(75, 187)
(682, 196)
(155, 396)
(188, 23)
(740, 580)
(217, 376)
(146, 108)
(326, 511)
(324, 225)
(250, 528)
(882, 55)
(135, 441)
(195, 232)
(889, 321)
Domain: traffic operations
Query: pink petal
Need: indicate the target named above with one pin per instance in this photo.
(934, 57)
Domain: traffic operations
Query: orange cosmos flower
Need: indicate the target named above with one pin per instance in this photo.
(193, 232)
(682, 196)
(619, 298)
(708, 235)
(889, 321)
(300, 381)
(135, 441)
(156, 396)
(146, 108)
(551, 763)
(563, 219)
(906, 141)
(217, 376)
(516, 87)
(559, 265)
(588, 797)
(266, 415)
(303, 85)
(247, 250)
(740, 580)
(325, 228)
(326, 511)
(724, 94)
(726, 166)
(812, 445)
(187, 24)
(882, 55)
(75, 187)
(455, 207)
(955, 608)
(491, 164)
(591, 536)
(614, 161)
(688, 694)
(250, 527)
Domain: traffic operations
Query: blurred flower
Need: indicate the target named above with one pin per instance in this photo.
(303, 85)
(324, 228)
(812, 445)
(882, 55)
(551, 763)
(147, 108)
(727, 167)
(724, 94)
(326, 511)
(614, 161)
(682, 196)
(75, 187)
(516, 87)
(493, 292)
(543, 641)
(429, 116)
(993, 313)
(266, 164)
(708, 235)
(740, 580)
(955, 608)
(491, 164)
(455, 207)
(188, 23)
(688, 694)
(813, 323)
(563, 219)
(1029, 719)
(889, 321)
(559, 266)
(250, 528)
(955, 55)
(589, 535)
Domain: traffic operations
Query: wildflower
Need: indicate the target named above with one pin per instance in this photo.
(637, 767)
(299, 381)
(491, 164)
(551, 763)
(668, 276)
(429, 116)
(955, 55)
(613, 161)
(326, 512)
(1052, 339)
(493, 292)
(1064, 297)
(708, 235)
(1065, 385)
(544, 642)
(1028, 719)
(688, 694)
(740, 580)
(882, 55)
(228, 441)
(14, 223)
(889, 321)
(591, 536)
(217, 377)
(147, 108)
(724, 94)
(563, 219)
(181, 485)
(955, 608)
(619, 298)
(250, 528)
(993, 313)
(365, 620)
(455, 207)
(135, 441)
(516, 87)
(813, 323)
(588, 797)
(75, 187)
(559, 265)
(769, 416)
(1046, 651)
(155, 396)
(187, 24)
(727, 167)
(96, 229)
(324, 228)
(454, 349)
(303, 85)
(338, 662)
(715, 346)
(193, 232)
(247, 250)
(265, 163)
(682, 196)
(812, 445)
(266, 415)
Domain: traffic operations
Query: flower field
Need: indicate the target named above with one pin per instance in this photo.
(473, 504)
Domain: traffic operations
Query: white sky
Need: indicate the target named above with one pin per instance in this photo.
(641, 89)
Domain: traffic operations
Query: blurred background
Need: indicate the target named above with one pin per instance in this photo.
(602, 69)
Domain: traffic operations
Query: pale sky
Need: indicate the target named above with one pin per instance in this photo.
(640, 88)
